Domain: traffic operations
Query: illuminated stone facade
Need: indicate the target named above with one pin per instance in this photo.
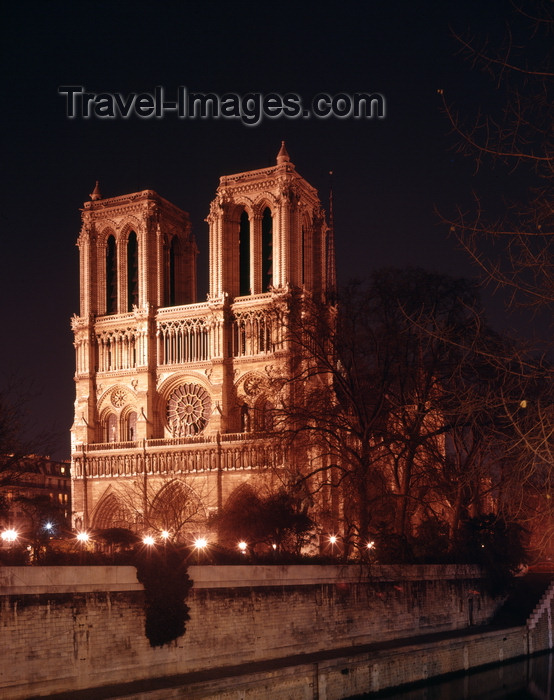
(170, 391)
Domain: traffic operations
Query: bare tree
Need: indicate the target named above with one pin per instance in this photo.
(13, 446)
(509, 234)
(41, 520)
(375, 387)
(174, 505)
(18, 441)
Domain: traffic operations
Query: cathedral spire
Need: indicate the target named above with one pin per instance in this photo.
(283, 156)
(96, 194)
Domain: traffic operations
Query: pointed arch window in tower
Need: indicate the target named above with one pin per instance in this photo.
(132, 271)
(244, 255)
(173, 254)
(111, 276)
(267, 250)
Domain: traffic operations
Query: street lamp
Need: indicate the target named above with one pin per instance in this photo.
(9, 535)
(333, 547)
(370, 550)
(148, 540)
(243, 547)
(200, 544)
(83, 537)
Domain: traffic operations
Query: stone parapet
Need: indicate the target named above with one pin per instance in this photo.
(43, 580)
(67, 629)
(306, 575)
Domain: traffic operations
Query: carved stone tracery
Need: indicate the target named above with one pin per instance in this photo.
(188, 410)
(118, 397)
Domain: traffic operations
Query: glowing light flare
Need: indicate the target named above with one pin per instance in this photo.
(370, 545)
(148, 540)
(243, 547)
(200, 543)
(9, 535)
(83, 536)
(333, 539)
(164, 535)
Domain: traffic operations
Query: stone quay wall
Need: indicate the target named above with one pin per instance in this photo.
(64, 629)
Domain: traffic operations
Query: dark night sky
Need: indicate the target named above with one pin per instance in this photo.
(388, 174)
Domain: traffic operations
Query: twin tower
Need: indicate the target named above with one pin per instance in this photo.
(169, 390)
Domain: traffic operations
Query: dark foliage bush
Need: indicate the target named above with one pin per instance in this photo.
(117, 538)
(498, 546)
(390, 547)
(275, 519)
(14, 557)
(431, 545)
(163, 573)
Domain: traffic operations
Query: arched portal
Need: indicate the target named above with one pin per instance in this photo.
(111, 513)
(177, 509)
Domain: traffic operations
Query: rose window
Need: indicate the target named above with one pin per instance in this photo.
(188, 410)
(253, 385)
(118, 397)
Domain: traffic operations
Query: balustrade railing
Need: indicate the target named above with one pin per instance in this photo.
(101, 446)
(169, 442)
(185, 334)
(250, 298)
(187, 309)
(191, 455)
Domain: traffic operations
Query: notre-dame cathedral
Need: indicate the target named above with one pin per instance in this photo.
(170, 399)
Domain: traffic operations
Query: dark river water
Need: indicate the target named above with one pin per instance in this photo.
(531, 678)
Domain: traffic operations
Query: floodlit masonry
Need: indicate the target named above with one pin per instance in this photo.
(66, 629)
(170, 402)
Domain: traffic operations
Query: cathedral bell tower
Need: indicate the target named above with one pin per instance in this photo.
(268, 237)
(267, 232)
(136, 254)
